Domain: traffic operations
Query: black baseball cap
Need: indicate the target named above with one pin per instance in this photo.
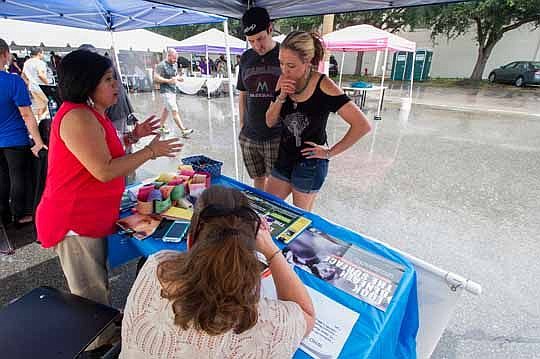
(255, 20)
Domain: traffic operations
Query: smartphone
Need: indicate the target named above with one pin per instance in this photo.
(176, 232)
(163, 228)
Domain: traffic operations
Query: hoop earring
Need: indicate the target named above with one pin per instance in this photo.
(90, 102)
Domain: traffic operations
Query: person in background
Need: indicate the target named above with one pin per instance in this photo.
(14, 65)
(204, 67)
(166, 75)
(304, 100)
(16, 122)
(221, 64)
(333, 70)
(257, 78)
(206, 302)
(85, 177)
(35, 74)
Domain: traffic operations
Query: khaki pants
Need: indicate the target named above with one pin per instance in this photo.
(84, 263)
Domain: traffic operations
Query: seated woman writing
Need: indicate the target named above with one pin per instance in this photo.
(303, 103)
(206, 303)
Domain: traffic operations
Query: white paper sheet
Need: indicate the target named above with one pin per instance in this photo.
(334, 323)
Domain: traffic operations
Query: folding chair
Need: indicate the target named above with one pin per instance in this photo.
(49, 323)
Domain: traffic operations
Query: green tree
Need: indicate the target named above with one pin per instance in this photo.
(185, 31)
(490, 18)
(304, 23)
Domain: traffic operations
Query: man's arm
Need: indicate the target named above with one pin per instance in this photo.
(43, 76)
(161, 80)
(25, 78)
(242, 107)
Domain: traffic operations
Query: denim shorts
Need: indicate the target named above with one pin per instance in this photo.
(306, 176)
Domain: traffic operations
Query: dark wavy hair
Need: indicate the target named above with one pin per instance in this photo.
(215, 286)
(79, 74)
(308, 46)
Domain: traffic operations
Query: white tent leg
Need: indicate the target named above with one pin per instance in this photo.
(375, 68)
(117, 60)
(190, 69)
(378, 116)
(412, 75)
(231, 97)
(207, 69)
(341, 67)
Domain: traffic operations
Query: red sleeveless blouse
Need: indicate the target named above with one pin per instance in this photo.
(73, 199)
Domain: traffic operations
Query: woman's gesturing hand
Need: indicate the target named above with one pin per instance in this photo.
(165, 148)
(146, 128)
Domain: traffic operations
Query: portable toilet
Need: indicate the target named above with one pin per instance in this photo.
(402, 65)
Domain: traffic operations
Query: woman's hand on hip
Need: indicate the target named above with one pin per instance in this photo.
(315, 151)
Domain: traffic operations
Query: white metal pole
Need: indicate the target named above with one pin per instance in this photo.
(377, 58)
(231, 97)
(341, 67)
(412, 75)
(378, 117)
(190, 69)
(207, 70)
(117, 60)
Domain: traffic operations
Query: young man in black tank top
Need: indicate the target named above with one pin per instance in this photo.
(258, 74)
(304, 100)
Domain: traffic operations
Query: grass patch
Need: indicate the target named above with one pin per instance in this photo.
(433, 82)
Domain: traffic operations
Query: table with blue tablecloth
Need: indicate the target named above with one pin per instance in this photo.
(376, 334)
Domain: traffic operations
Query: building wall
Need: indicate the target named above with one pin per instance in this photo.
(456, 58)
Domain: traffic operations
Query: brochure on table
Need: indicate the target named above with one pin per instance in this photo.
(333, 325)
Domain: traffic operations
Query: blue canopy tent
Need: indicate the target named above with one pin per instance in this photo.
(292, 8)
(105, 15)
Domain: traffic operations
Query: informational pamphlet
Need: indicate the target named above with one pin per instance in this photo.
(367, 276)
(278, 218)
(333, 325)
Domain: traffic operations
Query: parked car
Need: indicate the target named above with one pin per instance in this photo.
(519, 73)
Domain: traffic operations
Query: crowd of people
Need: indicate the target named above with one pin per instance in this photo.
(205, 302)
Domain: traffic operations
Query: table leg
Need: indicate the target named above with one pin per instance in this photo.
(364, 95)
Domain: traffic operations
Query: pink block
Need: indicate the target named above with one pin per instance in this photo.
(144, 192)
(188, 173)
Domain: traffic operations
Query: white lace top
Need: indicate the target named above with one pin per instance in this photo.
(149, 332)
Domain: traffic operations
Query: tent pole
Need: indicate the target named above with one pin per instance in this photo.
(190, 69)
(412, 76)
(383, 68)
(231, 96)
(207, 69)
(119, 71)
(341, 67)
(376, 63)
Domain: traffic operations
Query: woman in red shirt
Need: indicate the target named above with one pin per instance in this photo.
(85, 177)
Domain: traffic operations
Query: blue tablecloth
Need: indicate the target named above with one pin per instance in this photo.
(376, 334)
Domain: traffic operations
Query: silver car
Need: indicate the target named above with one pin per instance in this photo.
(519, 73)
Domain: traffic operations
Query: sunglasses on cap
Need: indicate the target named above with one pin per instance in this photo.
(214, 211)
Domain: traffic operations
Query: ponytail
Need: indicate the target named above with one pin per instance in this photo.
(318, 46)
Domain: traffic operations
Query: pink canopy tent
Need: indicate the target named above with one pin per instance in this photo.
(368, 38)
